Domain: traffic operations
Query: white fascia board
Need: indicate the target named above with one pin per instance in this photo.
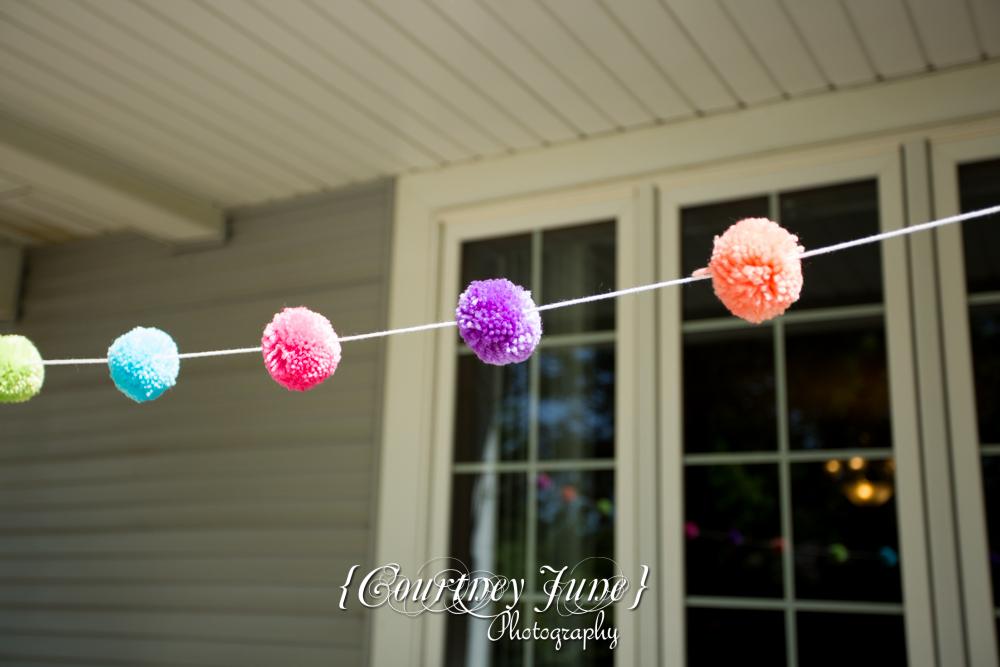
(47, 162)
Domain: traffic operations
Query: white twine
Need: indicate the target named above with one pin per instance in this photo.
(596, 297)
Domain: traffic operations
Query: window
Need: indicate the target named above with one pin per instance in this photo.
(533, 472)
(979, 187)
(790, 514)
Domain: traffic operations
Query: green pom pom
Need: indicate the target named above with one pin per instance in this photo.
(21, 371)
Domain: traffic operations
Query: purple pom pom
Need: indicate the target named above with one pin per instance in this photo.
(496, 318)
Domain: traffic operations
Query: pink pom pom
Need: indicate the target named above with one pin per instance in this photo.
(300, 348)
(755, 271)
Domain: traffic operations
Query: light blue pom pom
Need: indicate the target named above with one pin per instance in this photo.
(144, 363)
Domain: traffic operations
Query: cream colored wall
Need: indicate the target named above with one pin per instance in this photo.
(782, 138)
(214, 525)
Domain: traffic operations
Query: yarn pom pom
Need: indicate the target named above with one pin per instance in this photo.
(754, 269)
(144, 363)
(301, 348)
(21, 370)
(496, 318)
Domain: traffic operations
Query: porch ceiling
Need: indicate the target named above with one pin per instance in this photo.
(212, 104)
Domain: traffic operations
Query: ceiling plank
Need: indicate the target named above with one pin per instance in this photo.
(774, 38)
(212, 140)
(39, 99)
(726, 48)
(546, 83)
(888, 36)
(387, 36)
(271, 44)
(452, 135)
(101, 185)
(119, 49)
(475, 65)
(674, 52)
(946, 31)
(832, 39)
(620, 55)
(986, 20)
(537, 27)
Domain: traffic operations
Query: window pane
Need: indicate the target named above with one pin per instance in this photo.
(733, 521)
(578, 262)
(488, 523)
(822, 217)
(699, 227)
(576, 522)
(979, 184)
(576, 410)
(984, 327)
(508, 257)
(859, 640)
(844, 520)
(729, 391)
(735, 637)
(491, 411)
(838, 387)
(991, 493)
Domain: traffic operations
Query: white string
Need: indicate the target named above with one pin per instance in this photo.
(622, 292)
(900, 232)
(596, 297)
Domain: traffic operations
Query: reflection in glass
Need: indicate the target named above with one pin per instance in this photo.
(467, 643)
(838, 388)
(862, 640)
(699, 227)
(735, 637)
(576, 512)
(839, 542)
(577, 262)
(984, 327)
(729, 391)
(822, 217)
(488, 522)
(733, 530)
(491, 411)
(576, 411)
(980, 188)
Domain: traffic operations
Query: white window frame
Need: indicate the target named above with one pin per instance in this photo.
(765, 141)
(947, 154)
(720, 185)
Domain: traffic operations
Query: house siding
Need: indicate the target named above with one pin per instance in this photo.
(214, 525)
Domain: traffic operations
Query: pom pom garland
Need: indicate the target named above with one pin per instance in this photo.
(300, 348)
(755, 269)
(144, 363)
(21, 370)
(498, 320)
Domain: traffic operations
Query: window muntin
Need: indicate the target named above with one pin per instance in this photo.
(781, 411)
(534, 443)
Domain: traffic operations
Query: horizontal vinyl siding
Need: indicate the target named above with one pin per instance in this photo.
(214, 525)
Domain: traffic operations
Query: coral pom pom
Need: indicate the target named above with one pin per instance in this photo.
(755, 271)
(144, 363)
(21, 370)
(496, 318)
(301, 348)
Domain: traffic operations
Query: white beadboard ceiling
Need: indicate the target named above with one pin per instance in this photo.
(226, 103)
